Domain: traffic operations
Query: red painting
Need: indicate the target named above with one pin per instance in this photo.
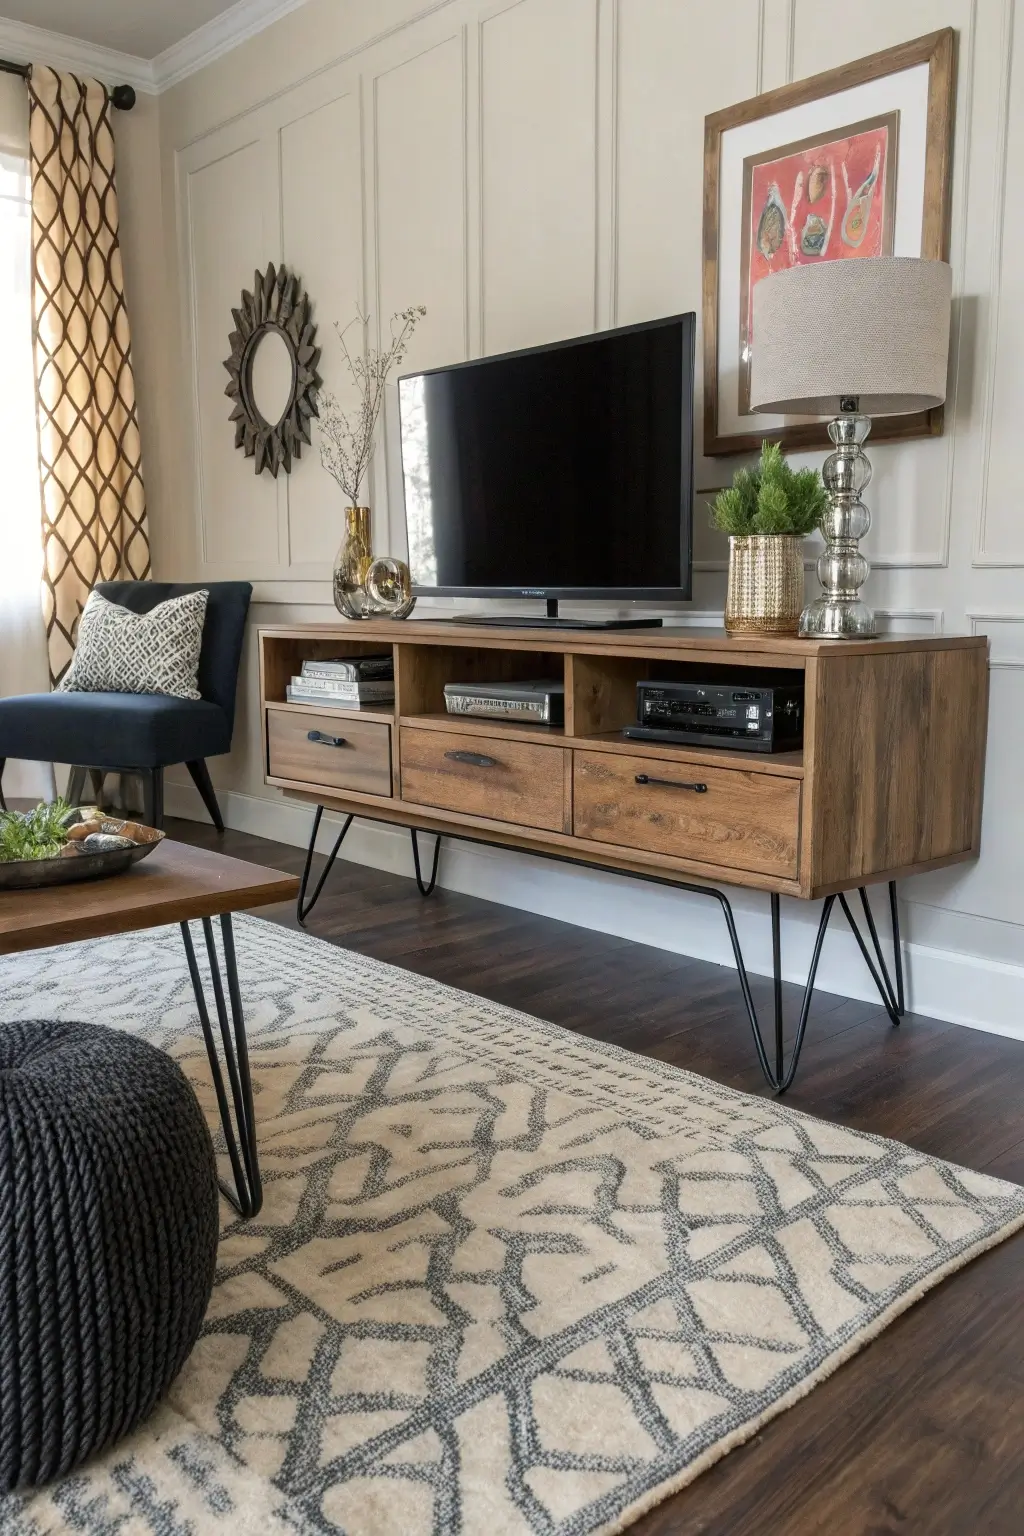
(824, 199)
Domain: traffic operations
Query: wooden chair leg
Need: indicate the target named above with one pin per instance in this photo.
(202, 781)
(76, 786)
(153, 796)
(3, 765)
(96, 780)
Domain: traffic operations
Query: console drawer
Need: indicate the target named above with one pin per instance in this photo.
(740, 819)
(329, 749)
(497, 777)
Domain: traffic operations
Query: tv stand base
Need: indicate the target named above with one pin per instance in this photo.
(551, 620)
(536, 621)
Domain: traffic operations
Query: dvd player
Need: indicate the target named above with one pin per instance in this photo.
(766, 718)
(540, 701)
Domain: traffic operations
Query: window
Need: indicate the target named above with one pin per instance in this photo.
(21, 566)
(22, 644)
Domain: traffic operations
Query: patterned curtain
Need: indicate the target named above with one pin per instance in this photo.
(94, 505)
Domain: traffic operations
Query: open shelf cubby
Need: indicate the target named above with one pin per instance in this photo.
(601, 702)
(422, 671)
(600, 690)
(282, 660)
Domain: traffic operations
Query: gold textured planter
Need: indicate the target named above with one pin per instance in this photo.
(766, 584)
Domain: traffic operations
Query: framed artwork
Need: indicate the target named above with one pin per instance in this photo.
(843, 166)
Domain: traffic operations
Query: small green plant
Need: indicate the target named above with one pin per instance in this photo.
(771, 498)
(38, 834)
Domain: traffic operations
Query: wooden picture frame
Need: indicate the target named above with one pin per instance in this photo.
(840, 103)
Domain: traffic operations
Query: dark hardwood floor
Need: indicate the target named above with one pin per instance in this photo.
(923, 1430)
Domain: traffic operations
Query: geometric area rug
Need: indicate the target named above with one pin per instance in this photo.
(506, 1280)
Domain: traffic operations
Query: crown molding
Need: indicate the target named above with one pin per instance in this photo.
(217, 37)
(25, 44)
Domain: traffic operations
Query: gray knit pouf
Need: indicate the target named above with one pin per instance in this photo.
(108, 1239)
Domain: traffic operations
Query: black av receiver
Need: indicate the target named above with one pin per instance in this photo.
(764, 717)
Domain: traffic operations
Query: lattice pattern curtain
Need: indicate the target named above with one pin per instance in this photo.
(94, 504)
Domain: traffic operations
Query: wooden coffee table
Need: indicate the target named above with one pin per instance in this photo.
(175, 884)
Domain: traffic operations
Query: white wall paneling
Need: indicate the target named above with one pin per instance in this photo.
(321, 238)
(294, 192)
(1000, 528)
(538, 171)
(909, 621)
(1006, 637)
(531, 169)
(227, 232)
(664, 92)
(419, 192)
(776, 42)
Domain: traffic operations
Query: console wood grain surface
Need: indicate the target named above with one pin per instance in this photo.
(497, 776)
(331, 747)
(888, 784)
(729, 817)
(172, 885)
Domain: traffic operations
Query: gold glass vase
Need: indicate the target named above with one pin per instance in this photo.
(353, 560)
(766, 584)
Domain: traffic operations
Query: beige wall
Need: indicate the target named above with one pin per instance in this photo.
(529, 171)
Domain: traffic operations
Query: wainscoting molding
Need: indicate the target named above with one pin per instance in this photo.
(982, 555)
(988, 624)
(910, 621)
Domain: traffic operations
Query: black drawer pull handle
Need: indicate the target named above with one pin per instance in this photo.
(478, 759)
(698, 789)
(326, 741)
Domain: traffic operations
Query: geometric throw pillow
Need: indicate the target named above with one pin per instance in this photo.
(123, 652)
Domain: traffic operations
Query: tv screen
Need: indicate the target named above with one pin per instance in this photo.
(562, 471)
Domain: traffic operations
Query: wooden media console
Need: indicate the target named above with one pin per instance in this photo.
(888, 784)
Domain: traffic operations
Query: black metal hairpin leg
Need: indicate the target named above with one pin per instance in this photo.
(892, 994)
(239, 1133)
(777, 1074)
(425, 890)
(303, 907)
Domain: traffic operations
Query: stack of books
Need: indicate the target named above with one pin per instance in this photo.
(345, 682)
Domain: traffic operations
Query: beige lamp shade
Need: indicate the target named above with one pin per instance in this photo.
(875, 328)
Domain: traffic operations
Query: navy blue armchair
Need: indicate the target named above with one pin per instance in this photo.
(141, 732)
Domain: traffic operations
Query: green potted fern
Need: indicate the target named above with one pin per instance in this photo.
(767, 512)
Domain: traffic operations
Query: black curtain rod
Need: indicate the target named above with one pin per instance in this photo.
(122, 96)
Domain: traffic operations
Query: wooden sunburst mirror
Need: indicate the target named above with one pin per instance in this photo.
(272, 410)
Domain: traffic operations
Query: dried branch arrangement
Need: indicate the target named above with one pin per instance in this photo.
(346, 437)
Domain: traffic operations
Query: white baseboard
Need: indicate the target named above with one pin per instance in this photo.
(946, 984)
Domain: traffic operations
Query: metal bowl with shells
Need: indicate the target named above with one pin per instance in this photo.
(87, 845)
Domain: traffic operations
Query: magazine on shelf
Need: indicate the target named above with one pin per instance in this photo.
(296, 694)
(384, 688)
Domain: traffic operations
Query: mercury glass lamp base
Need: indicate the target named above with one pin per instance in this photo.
(835, 619)
(839, 613)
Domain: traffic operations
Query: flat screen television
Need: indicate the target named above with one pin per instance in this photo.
(563, 471)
